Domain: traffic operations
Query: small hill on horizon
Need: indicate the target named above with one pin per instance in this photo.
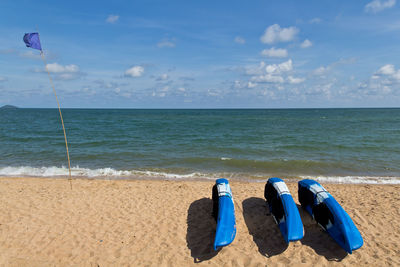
(8, 107)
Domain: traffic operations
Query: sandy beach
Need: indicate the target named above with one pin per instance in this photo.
(168, 223)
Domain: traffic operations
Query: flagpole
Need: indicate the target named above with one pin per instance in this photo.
(61, 117)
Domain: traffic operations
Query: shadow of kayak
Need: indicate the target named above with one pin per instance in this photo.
(262, 227)
(201, 230)
(319, 240)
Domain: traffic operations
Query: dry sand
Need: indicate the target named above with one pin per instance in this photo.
(168, 223)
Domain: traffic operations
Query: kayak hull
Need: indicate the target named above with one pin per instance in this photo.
(329, 214)
(224, 212)
(284, 209)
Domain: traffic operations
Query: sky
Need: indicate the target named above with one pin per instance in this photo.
(202, 54)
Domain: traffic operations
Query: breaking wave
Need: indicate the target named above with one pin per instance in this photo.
(101, 173)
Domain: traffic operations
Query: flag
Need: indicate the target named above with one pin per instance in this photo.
(32, 40)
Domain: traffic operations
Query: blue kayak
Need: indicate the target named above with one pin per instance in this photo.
(224, 213)
(329, 215)
(284, 210)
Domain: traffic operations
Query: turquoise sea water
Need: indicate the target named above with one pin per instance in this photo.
(338, 145)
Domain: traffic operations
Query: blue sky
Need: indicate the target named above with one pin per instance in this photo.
(202, 54)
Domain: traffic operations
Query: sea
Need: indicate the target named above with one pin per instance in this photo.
(329, 145)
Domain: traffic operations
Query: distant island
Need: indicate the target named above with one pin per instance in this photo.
(8, 107)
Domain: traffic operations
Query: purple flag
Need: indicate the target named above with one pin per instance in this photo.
(32, 40)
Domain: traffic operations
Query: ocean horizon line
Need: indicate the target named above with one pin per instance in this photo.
(239, 108)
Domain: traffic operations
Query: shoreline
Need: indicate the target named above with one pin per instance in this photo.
(347, 180)
(169, 223)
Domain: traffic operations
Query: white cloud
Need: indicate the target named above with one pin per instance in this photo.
(325, 69)
(158, 94)
(378, 5)
(251, 85)
(63, 72)
(270, 73)
(276, 74)
(57, 68)
(240, 40)
(268, 78)
(30, 54)
(275, 34)
(384, 81)
(320, 90)
(278, 68)
(135, 71)
(388, 71)
(326, 89)
(306, 43)
(272, 52)
(112, 19)
(170, 43)
(88, 91)
(386, 89)
(106, 84)
(293, 80)
(126, 94)
(286, 66)
(212, 92)
(255, 70)
(163, 77)
(165, 89)
(269, 94)
(315, 21)
(66, 76)
(271, 68)
(321, 70)
(3, 79)
(237, 84)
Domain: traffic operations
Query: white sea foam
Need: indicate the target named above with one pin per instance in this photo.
(93, 173)
(355, 179)
(225, 158)
(28, 171)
